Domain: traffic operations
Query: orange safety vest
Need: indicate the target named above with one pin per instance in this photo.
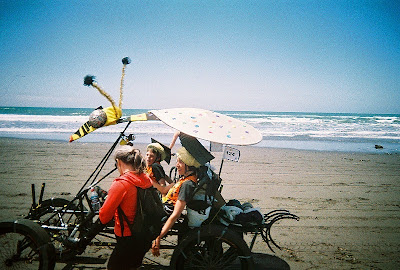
(173, 193)
(149, 171)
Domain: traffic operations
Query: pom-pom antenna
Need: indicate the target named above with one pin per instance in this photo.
(89, 80)
(126, 60)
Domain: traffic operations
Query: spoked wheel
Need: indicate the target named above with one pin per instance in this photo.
(25, 245)
(59, 217)
(212, 247)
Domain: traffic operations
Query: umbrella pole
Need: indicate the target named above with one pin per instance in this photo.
(220, 168)
(222, 161)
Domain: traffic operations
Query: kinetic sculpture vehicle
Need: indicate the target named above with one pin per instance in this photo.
(205, 237)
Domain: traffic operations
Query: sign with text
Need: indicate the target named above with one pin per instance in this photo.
(231, 154)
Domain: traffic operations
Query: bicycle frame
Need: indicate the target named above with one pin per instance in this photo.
(76, 205)
(85, 217)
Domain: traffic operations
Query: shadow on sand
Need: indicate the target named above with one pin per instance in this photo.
(271, 262)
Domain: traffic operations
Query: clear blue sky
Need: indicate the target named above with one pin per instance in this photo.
(309, 56)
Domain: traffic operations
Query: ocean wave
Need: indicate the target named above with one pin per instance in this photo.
(42, 118)
(294, 126)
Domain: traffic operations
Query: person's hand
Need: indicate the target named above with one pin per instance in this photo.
(155, 249)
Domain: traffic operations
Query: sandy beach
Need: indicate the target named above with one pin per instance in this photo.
(348, 203)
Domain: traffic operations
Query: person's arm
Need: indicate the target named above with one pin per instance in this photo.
(114, 198)
(167, 179)
(162, 189)
(174, 138)
(160, 175)
(178, 208)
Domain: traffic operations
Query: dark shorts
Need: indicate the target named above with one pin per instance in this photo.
(129, 252)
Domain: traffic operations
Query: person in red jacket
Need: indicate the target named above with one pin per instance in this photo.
(130, 248)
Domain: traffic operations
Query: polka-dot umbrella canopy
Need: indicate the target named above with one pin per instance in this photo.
(209, 125)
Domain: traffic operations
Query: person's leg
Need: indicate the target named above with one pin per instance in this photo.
(139, 247)
(119, 258)
(128, 253)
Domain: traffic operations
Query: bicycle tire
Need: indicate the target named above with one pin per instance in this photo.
(25, 245)
(212, 247)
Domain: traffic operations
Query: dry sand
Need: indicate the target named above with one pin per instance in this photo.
(348, 203)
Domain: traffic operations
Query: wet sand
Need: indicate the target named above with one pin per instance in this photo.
(348, 203)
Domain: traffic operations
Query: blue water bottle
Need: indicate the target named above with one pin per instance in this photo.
(94, 197)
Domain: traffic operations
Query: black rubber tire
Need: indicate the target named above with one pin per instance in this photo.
(173, 174)
(212, 247)
(37, 252)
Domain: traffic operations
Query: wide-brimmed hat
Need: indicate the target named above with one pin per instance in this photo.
(195, 149)
(187, 158)
(164, 151)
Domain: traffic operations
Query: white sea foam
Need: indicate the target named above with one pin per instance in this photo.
(273, 126)
(42, 118)
(283, 126)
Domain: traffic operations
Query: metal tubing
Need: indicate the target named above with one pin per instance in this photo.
(33, 196)
(41, 193)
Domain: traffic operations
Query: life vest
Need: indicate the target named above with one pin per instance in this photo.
(173, 193)
(149, 171)
(155, 171)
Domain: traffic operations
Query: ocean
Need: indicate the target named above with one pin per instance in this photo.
(344, 132)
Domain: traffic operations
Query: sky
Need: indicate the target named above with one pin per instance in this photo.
(283, 56)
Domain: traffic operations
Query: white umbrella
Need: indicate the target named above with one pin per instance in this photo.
(209, 125)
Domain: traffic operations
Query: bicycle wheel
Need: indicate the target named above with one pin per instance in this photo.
(25, 245)
(212, 247)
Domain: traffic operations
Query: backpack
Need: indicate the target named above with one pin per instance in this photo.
(207, 188)
(205, 196)
(150, 214)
